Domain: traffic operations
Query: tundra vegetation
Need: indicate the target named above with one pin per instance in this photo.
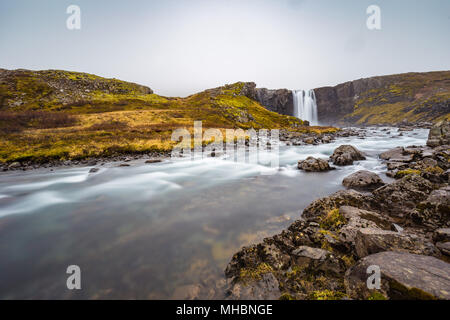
(60, 115)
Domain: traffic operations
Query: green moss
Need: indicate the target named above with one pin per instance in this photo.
(286, 296)
(399, 291)
(254, 274)
(434, 170)
(326, 295)
(402, 173)
(348, 261)
(375, 295)
(333, 220)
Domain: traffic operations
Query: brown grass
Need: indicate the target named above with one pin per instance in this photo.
(14, 122)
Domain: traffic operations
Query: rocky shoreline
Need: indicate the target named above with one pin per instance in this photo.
(288, 137)
(402, 227)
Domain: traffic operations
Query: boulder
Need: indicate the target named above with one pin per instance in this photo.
(316, 259)
(322, 206)
(314, 165)
(392, 153)
(345, 155)
(265, 288)
(435, 209)
(14, 165)
(403, 276)
(402, 196)
(363, 180)
(439, 134)
(357, 219)
(444, 247)
(398, 154)
(150, 161)
(442, 234)
(309, 140)
(369, 241)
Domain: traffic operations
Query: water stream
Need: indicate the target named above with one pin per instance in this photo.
(144, 231)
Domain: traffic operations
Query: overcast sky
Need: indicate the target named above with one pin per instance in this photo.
(178, 47)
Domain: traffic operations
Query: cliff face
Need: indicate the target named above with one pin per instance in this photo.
(415, 97)
(277, 100)
(280, 100)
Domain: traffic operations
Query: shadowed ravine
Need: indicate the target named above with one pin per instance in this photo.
(145, 231)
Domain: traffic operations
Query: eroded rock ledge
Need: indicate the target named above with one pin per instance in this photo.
(403, 227)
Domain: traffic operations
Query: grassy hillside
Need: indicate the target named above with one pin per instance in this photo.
(415, 97)
(59, 115)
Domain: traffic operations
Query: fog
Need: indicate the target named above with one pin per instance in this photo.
(180, 47)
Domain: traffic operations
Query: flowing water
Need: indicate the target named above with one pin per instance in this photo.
(305, 106)
(144, 231)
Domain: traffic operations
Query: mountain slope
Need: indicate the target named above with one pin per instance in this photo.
(415, 97)
(60, 115)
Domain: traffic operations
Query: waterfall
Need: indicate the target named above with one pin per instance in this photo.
(305, 106)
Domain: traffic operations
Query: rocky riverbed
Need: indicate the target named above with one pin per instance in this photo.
(166, 229)
(403, 227)
(289, 138)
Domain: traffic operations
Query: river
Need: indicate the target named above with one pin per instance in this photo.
(145, 231)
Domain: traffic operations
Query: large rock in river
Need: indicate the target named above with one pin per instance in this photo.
(312, 164)
(322, 206)
(363, 180)
(345, 155)
(439, 134)
(403, 276)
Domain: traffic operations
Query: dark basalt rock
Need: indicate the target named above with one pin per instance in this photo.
(444, 247)
(442, 234)
(434, 211)
(314, 165)
(345, 155)
(321, 206)
(363, 180)
(339, 236)
(369, 241)
(280, 101)
(403, 276)
(402, 195)
(439, 134)
(266, 288)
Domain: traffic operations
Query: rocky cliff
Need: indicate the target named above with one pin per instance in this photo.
(415, 97)
(280, 100)
(391, 99)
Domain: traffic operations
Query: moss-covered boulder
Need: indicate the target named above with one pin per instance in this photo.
(403, 276)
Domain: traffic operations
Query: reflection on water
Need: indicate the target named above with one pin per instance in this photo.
(143, 231)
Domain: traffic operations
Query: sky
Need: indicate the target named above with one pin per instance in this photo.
(179, 47)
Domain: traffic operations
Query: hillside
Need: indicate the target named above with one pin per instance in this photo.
(59, 115)
(416, 97)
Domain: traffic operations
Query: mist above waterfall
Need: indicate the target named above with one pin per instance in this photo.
(305, 106)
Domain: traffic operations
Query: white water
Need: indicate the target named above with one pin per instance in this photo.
(143, 231)
(305, 106)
